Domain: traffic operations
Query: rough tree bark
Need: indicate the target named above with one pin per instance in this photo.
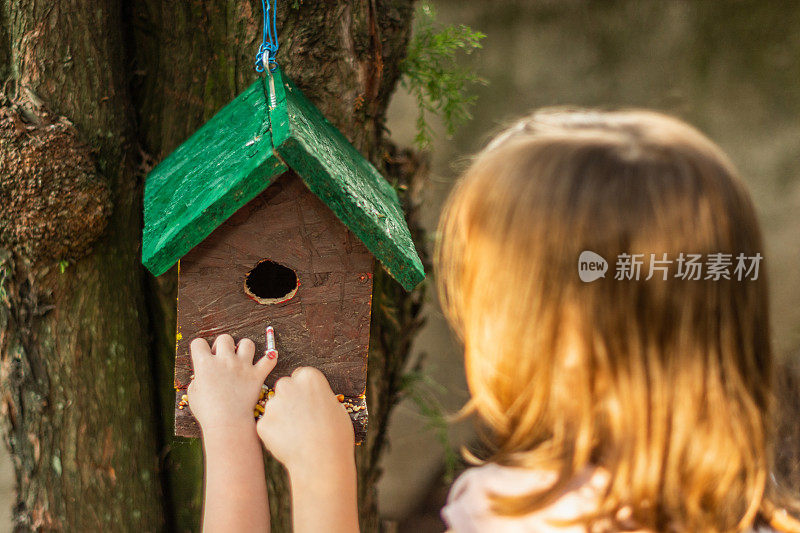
(86, 336)
(77, 390)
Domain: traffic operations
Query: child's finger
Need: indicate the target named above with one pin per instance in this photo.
(199, 350)
(265, 365)
(223, 346)
(245, 349)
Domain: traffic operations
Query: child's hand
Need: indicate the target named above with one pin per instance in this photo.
(308, 430)
(304, 425)
(226, 383)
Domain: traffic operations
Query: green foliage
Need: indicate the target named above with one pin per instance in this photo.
(433, 76)
(62, 266)
(423, 390)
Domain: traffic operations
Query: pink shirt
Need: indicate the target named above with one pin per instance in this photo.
(468, 508)
(468, 504)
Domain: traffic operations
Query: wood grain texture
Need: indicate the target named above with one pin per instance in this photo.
(348, 184)
(325, 325)
(221, 167)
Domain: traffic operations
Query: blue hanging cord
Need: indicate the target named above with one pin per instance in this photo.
(265, 57)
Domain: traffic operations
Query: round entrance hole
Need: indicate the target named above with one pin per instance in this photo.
(270, 282)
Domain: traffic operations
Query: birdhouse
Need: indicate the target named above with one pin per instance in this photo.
(276, 219)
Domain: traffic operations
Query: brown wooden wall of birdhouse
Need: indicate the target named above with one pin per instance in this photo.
(325, 324)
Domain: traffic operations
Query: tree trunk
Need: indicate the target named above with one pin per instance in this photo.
(86, 335)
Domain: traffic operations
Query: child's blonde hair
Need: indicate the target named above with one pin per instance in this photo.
(666, 384)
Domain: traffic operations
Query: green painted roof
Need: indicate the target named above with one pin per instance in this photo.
(239, 153)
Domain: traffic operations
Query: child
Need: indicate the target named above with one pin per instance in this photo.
(635, 398)
(304, 426)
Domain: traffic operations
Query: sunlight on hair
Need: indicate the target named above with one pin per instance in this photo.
(665, 384)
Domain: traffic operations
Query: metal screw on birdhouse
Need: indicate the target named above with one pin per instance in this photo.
(273, 100)
(271, 352)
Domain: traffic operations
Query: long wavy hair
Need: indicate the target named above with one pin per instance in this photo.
(664, 383)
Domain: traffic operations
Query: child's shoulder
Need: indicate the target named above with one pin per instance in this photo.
(468, 505)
